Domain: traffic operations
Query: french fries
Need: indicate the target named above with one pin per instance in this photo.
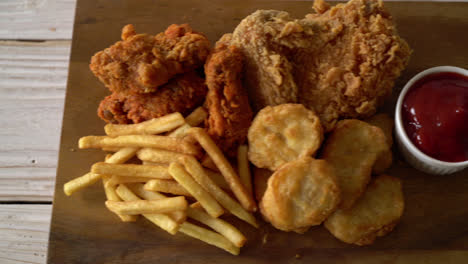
(159, 155)
(153, 126)
(207, 162)
(209, 237)
(161, 220)
(225, 167)
(142, 141)
(206, 200)
(131, 170)
(243, 167)
(116, 180)
(166, 186)
(111, 195)
(122, 155)
(160, 206)
(194, 119)
(80, 183)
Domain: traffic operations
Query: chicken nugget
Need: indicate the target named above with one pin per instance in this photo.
(375, 214)
(300, 194)
(384, 122)
(352, 150)
(283, 133)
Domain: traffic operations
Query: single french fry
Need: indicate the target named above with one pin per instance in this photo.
(161, 220)
(198, 173)
(209, 237)
(225, 167)
(112, 196)
(243, 168)
(160, 206)
(116, 180)
(122, 155)
(153, 126)
(180, 132)
(207, 162)
(196, 117)
(219, 225)
(218, 179)
(185, 179)
(159, 155)
(166, 186)
(131, 170)
(138, 189)
(145, 162)
(80, 183)
(142, 141)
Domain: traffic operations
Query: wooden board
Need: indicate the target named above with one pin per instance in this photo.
(434, 226)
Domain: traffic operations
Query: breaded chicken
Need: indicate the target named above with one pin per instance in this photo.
(141, 63)
(182, 94)
(341, 61)
(229, 112)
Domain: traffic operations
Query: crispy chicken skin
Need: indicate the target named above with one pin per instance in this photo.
(341, 61)
(140, 63)
(182, 94)
(229, 112)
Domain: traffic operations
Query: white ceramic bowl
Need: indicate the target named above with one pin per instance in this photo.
(412, 154)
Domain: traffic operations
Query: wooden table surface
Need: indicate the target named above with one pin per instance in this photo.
(35, 39)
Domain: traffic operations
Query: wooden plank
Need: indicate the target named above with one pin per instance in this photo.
(32, 87)
(24, 232)
(36, 19)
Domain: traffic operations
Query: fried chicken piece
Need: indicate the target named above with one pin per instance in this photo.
(229, 112)
(182, 94)
(140, 63)
(341, 61)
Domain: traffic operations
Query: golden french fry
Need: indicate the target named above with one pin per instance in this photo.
(159, 155)
(145, 162)
(161, 220)
(116, 180)
(225, 167)
(180, 132)
(112, 196)
(80, 183)
(207, 162)
(122, 155)
(243, 167)
(160, 206)
(196, 117)
(209, 237)
(166, 186)
(142, 141)
(219, 225)
(218, 179)
(198, 173)
(138, 189)
(185, 179)
(131, 170)
(153, 126)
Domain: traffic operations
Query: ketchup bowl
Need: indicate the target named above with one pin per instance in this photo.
(431, 120)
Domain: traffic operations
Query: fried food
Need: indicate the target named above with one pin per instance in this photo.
(153, 126)
(341, 61)
(352, 150)
(375, 214)
(141, 63)
(283, 133)
(229, 113)
(182, 94)
(384, 161)
(300, 194)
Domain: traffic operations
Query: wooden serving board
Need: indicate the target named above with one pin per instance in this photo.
(434, 227)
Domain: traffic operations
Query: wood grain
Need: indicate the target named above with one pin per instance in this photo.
(24, 232)
(432, 230)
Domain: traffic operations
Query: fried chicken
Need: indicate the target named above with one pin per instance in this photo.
(140, 63)
(341, 61)
(182, 94)
(229, 112)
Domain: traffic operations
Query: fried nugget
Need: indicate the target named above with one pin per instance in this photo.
(283, 133)
(375, 214)
(352, 150)
(300, 194)
(384, 122)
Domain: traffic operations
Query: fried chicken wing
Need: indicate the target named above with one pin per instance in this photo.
(341, 61)
(229, 112)
(140, 63)
(182, 94)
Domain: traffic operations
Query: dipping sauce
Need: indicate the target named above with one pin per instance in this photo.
(435, 116)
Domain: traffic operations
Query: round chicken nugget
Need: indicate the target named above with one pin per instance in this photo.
(283, 133)
(375, 214)
(300, 194)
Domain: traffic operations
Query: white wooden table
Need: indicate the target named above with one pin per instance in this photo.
(35, 39)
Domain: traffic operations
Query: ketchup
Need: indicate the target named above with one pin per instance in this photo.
(435, 116)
